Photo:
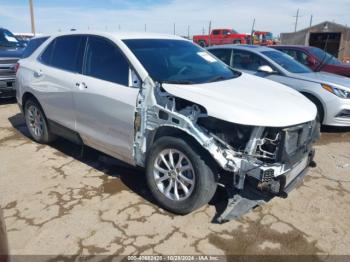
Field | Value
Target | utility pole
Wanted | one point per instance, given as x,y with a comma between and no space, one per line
252,34
188,31
311,17
296,20
209,31
31,8
174,29
145,27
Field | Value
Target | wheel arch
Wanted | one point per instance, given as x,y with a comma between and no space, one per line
27,96
318,102
179,133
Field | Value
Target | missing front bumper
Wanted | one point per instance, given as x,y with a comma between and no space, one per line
241,202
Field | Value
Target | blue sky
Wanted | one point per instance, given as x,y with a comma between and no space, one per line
160,15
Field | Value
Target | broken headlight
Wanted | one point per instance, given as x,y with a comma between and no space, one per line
235,135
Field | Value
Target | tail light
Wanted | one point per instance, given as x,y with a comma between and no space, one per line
16,67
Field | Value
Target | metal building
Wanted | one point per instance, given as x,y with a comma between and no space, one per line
329,36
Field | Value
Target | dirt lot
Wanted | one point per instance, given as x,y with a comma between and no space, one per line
57,203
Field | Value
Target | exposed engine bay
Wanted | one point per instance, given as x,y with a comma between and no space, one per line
261,160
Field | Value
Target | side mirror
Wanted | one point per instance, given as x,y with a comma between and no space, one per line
266,69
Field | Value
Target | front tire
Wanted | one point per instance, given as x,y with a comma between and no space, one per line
37,123
178,176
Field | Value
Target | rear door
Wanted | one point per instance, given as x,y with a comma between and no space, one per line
105,104
54,78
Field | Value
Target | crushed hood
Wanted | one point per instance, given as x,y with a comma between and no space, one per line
248,100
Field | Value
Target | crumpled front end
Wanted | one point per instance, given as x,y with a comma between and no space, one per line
256,163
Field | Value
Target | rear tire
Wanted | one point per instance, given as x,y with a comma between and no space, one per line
178,176
202,44
37,123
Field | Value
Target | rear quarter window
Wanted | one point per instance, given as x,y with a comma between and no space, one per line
65,53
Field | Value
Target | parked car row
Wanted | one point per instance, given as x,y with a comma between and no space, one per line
165,104
316,59
11,50
330,93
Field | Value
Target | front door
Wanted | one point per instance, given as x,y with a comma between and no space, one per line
105,104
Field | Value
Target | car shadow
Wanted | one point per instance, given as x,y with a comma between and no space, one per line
132,177
335,129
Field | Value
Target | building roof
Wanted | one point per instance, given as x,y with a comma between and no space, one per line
325,23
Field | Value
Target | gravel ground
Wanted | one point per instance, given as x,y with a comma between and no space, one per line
54,202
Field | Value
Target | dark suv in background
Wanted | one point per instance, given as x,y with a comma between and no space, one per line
11,50
316,59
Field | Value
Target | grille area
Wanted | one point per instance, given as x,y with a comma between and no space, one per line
4,61
7,67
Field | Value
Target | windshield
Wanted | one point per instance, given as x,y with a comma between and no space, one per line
178,61
324,56
287,62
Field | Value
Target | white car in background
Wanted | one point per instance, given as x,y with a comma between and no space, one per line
330,93
163,103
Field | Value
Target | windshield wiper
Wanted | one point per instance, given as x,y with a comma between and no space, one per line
179,82
217,78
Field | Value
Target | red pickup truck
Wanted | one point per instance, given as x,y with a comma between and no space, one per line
221,37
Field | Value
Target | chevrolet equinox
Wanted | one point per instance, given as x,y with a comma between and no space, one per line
165,104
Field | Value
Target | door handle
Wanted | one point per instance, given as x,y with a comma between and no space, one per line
81,85
38,74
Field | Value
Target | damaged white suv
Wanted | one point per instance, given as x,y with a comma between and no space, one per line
163,103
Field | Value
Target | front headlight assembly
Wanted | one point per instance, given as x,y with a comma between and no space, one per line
342,93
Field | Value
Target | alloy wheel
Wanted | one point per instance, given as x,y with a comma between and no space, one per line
174,174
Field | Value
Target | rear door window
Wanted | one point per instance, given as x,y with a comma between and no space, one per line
33,45
104,60
66,53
